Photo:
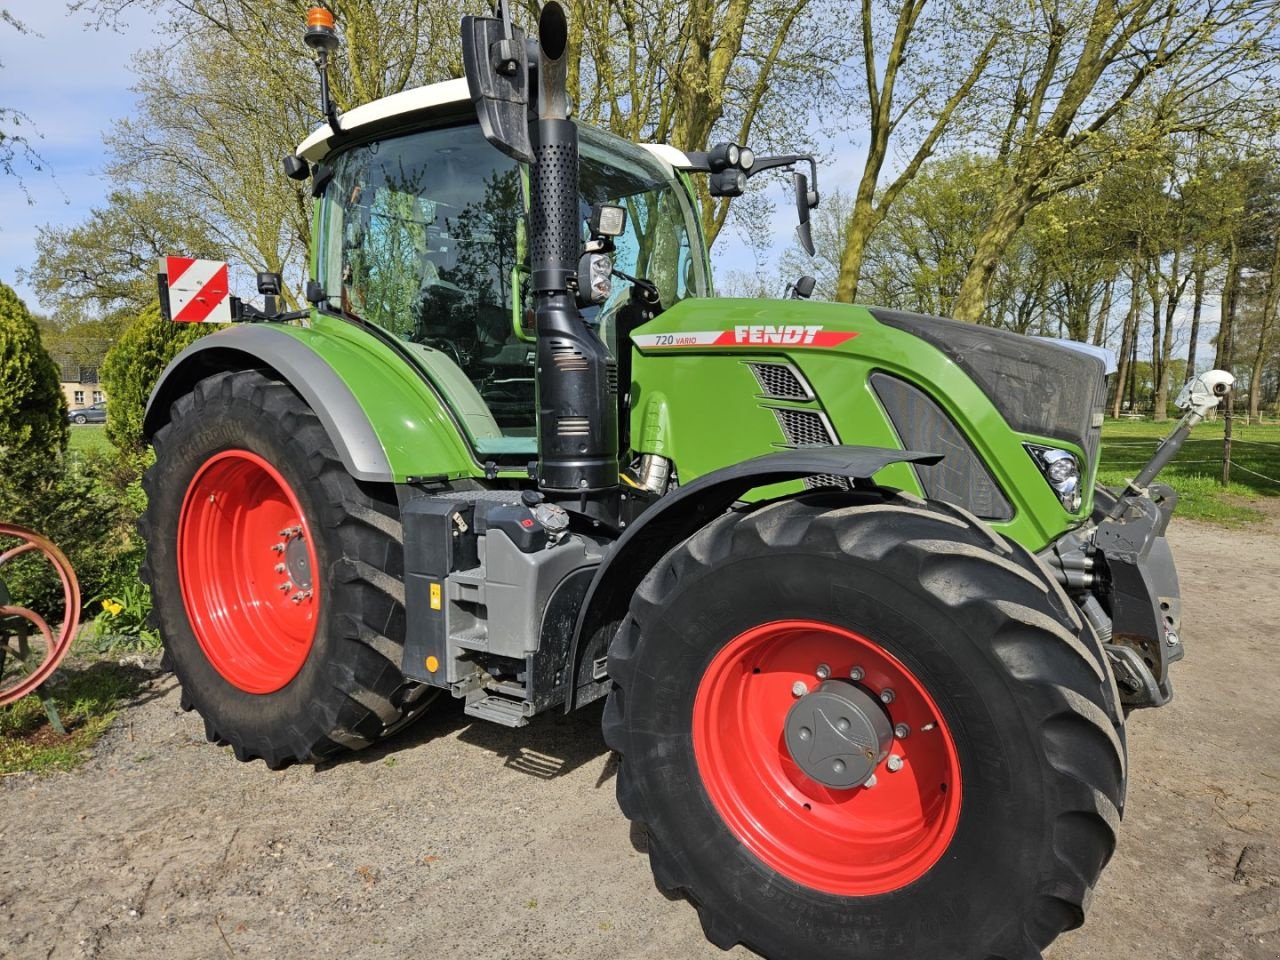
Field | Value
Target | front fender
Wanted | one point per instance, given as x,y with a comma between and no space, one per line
679,515
385,423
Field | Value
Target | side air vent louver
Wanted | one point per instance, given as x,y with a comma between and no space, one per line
781,381
611,371
568,358
961,477
805,428
573,426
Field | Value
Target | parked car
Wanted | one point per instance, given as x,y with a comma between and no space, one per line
95,413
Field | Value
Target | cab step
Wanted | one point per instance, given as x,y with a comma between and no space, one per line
500,710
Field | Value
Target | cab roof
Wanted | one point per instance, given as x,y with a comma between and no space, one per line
447,96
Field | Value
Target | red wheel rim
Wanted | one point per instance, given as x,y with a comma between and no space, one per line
247,570
855,842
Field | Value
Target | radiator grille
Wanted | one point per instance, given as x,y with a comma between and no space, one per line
804,428
781,381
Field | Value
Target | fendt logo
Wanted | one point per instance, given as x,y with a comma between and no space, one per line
790,334
748,335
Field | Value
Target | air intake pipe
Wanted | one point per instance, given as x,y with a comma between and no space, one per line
577,416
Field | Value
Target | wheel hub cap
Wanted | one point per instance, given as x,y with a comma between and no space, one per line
837,734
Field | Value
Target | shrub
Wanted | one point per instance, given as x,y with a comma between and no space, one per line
33,413
132,367
84,514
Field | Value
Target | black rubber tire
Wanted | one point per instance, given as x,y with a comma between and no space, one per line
1019,677
350,691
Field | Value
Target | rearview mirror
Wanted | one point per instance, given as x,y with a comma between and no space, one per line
497,68
803,231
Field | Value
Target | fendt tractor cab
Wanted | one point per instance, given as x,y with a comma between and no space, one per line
867,631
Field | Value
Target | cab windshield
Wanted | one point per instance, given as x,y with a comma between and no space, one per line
424,236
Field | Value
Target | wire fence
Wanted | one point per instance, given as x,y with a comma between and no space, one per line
1247,460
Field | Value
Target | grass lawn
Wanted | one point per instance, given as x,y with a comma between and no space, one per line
1195,474
89,437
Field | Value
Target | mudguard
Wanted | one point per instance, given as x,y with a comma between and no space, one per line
383,426
678,516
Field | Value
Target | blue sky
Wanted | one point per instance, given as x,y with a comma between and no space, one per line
73,82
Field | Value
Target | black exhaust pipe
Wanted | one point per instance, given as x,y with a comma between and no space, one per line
577,415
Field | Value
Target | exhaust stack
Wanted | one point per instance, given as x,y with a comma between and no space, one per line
577,415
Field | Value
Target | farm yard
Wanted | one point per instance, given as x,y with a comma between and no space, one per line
457,836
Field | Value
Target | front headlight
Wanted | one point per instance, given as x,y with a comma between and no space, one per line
1061,469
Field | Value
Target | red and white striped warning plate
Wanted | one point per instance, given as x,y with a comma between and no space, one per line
199,290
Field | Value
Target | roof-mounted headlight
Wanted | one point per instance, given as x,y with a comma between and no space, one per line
1061,469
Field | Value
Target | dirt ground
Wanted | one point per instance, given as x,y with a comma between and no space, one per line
463,839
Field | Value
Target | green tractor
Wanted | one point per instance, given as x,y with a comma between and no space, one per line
869,699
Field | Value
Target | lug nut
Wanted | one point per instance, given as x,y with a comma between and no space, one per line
902,731
856,673
280,568
894,763
277,548
823,671
297,597
886,695
285,587
799,688
870,781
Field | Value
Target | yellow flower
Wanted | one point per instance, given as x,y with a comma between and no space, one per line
112,607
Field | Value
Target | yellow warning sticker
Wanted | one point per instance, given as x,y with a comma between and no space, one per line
435,596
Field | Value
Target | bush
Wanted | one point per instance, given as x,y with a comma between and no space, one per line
33,413
85,515
132,367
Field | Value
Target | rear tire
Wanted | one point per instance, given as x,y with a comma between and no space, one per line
927,598
279,680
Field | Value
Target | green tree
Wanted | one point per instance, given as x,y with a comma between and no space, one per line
33,413
1098,82
108,263
132,367
915,91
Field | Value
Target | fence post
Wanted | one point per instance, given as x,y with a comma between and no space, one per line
1226,440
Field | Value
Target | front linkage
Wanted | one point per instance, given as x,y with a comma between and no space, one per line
1119,568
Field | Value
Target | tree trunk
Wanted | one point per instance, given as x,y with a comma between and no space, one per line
1264,331
1228,309
1156,372
1100,328
1006,219
864,220
1174,294
1127,340
1196,306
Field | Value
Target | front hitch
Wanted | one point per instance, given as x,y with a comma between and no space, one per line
1119,569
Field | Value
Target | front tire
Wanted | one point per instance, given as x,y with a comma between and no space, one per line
276,578
995,805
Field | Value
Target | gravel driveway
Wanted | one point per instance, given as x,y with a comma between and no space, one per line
463,839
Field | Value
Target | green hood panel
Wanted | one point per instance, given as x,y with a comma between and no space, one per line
697,401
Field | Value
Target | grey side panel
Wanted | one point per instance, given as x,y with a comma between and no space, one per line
255,347
961,477
679,515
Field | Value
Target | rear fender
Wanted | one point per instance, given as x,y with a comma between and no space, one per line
385,427
678,516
